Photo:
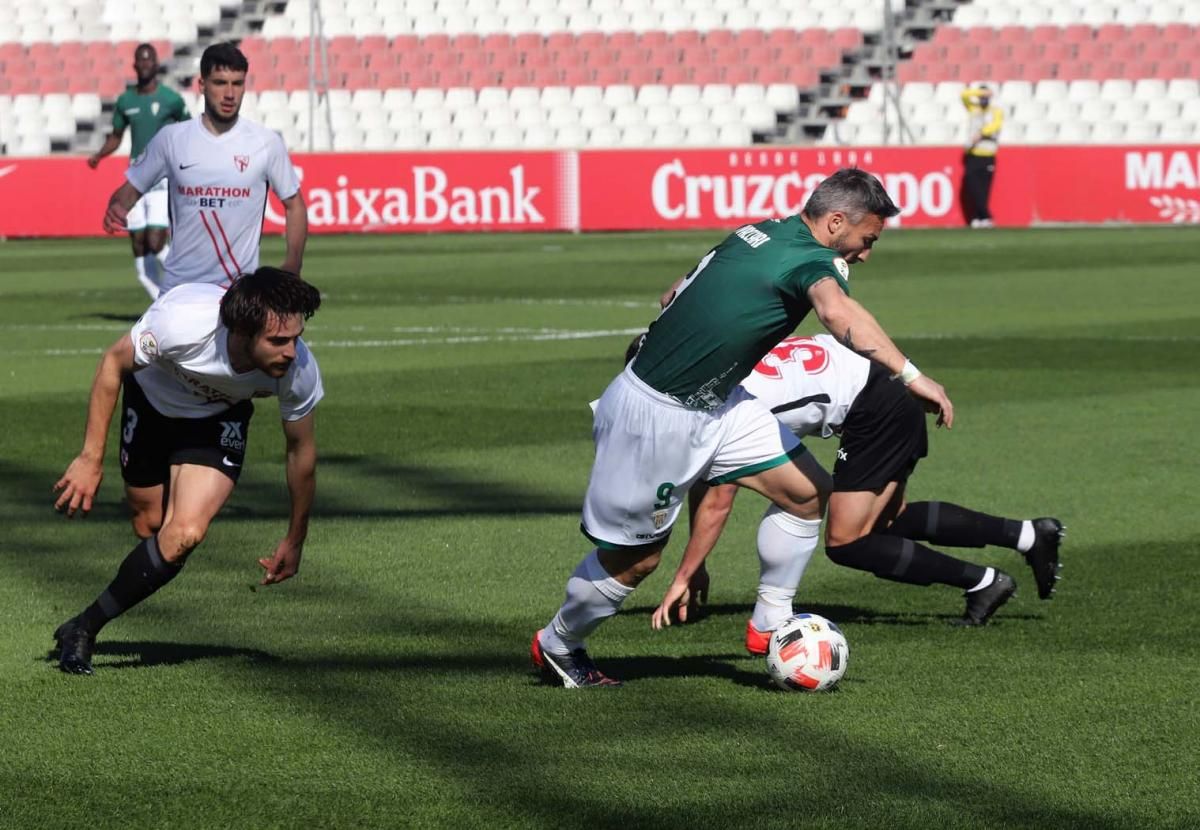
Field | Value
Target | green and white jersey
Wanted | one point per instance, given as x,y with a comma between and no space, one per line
146,114
745,296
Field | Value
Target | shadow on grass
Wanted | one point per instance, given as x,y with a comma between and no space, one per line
108,315
137,654
840,614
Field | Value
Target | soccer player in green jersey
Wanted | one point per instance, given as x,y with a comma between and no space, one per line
145,108
676,415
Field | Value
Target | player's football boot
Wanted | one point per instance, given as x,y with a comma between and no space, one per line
571,671
983,603
1043,556
75,644
757,642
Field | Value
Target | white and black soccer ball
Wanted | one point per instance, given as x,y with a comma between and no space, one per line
808,653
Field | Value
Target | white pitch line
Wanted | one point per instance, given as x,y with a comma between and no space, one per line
478,338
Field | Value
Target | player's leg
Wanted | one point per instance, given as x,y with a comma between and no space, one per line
199,481
943,523
787,537
136,221
158,220
645,462
760,454
145,508
883,438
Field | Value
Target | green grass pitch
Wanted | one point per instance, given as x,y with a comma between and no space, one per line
388,685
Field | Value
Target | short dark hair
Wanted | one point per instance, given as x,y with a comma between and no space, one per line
254,297
223,56
142,46
852,191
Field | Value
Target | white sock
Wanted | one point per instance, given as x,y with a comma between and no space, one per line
785,544
988,576
162,255
1027,536
592,597
139,267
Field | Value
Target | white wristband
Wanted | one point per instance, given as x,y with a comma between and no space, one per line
909,373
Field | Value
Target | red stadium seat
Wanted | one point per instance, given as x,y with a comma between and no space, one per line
696,54
485,76
1094,50
825,56
946,35
618,40
685,38
961,52
537,59
739,74
1045,34
994,52
497,41
1126,50
1058,52
719,37
359,79
982,34
908,72
928,52
466,43
1012,35
1105,69
811,37
607,56
546,76
560,41
712,74
782,37
1178,33
1077,33
665,55
677,73
527,41
517,76
1074,71
443,60
421,77
728,55
1111,33
642,75
1006,71
437,42
577,76
1173,68
653,39
391,77
609,76
1140,69
848,38
1145,33
751,38
1026,52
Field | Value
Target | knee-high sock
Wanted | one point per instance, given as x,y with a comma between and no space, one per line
139,267
785,544
943,523
592,597
903,560
142,573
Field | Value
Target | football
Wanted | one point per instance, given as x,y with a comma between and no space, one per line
808,653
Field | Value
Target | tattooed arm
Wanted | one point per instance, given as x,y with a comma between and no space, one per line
858,330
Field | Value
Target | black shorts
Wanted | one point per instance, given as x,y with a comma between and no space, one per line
883,437
151,442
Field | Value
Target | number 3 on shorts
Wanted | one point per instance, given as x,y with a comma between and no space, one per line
664,495
130,426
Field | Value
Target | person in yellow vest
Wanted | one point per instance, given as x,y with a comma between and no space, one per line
979,162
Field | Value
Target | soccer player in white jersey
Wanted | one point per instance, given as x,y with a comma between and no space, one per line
816,386
190,367
218,169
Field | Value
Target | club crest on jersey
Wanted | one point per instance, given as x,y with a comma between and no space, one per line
147,344
843,268
242,163
659,517
154,107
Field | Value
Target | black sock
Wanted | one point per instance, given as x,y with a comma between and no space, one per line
948,524
903,560
142,573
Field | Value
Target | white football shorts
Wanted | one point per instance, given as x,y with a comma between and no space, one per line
150,211
650,450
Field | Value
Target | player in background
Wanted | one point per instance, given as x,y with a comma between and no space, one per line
676,414
218,169
145,108
814,385
191,366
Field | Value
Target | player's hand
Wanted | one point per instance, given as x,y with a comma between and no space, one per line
698,588
78,485
93,161
676,598
114,218
283,565
291,267
934,398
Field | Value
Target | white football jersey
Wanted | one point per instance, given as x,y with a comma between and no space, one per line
809,383
188,374
218,194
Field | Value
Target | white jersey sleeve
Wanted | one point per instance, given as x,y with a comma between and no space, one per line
300,390
152,165
170,331
280,172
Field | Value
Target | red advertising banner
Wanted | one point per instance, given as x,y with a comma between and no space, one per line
647,189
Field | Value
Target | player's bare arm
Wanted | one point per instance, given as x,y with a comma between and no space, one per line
295,232
78,485
122,199
301,463
858,330
707,523
110,145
